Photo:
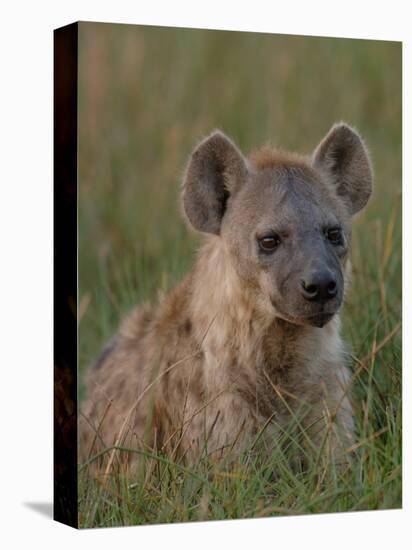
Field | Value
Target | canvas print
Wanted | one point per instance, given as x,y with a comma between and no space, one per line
238,298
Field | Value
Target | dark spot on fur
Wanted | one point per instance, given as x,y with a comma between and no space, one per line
185,328
104,354
248,396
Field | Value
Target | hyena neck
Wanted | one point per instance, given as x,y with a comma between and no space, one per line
231,326
221,303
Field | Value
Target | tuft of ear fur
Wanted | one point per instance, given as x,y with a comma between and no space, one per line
215,171
343,156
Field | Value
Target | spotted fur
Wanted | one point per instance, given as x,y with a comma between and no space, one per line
232,353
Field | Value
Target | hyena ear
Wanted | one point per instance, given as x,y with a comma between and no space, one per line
343,156
215,171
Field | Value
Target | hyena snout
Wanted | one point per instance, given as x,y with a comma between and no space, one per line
319,285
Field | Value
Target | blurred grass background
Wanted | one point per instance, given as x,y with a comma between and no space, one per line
148,94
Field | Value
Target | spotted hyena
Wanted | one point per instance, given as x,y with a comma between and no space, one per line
251,337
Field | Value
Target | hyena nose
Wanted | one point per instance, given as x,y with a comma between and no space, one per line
319,287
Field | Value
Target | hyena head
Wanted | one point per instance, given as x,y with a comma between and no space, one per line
284,220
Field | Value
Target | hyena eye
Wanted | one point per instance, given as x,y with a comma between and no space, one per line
269,243
334,235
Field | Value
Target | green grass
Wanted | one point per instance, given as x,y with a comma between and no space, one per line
146,96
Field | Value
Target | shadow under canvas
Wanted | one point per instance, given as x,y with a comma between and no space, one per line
43,508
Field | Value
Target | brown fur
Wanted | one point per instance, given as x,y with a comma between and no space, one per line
271,157
216,361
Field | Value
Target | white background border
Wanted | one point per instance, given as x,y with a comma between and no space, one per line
26,127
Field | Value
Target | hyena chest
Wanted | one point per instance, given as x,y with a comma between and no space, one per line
262,380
